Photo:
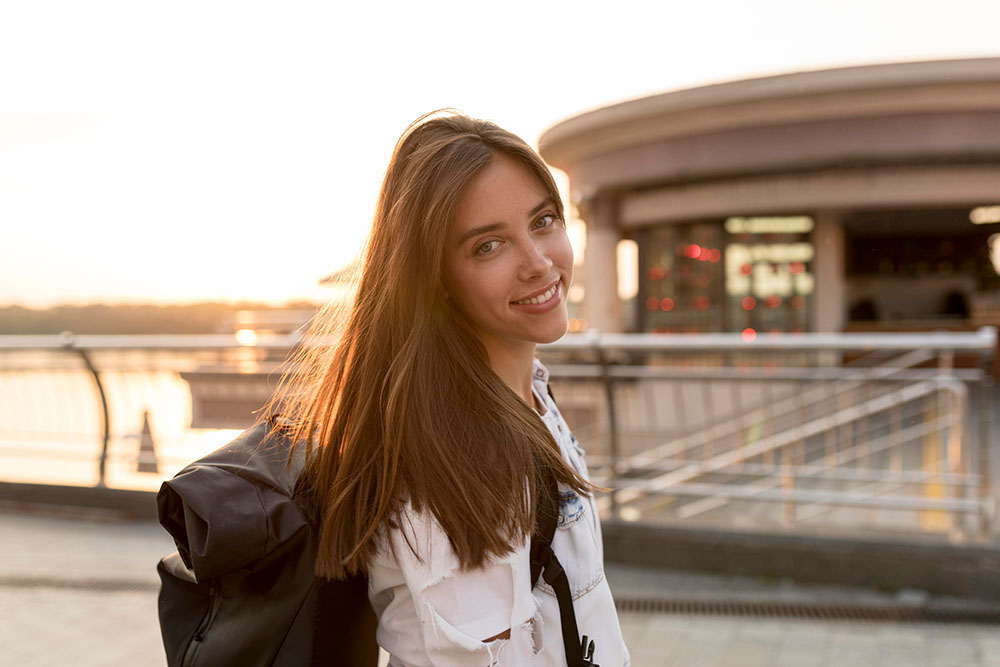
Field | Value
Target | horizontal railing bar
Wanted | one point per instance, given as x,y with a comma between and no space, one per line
982,340
147,342
810,512
755,374
570,373
844,498
822,472
41,455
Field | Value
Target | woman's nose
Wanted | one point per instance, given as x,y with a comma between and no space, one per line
534,261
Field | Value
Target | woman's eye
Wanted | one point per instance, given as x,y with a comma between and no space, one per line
546,220
487,248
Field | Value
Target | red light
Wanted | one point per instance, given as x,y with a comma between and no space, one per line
657,273
773,301
749,335
749,303
692,251
746,269
715,255
797,301
702,303
652,303
704,253
666,303
797,268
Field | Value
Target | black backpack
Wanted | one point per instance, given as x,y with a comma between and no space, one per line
240,589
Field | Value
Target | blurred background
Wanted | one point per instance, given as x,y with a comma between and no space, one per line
782,349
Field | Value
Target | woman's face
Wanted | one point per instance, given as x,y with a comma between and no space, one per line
507,259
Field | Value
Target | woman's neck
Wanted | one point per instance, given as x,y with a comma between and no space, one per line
514,366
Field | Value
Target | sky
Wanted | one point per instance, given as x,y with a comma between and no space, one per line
190,151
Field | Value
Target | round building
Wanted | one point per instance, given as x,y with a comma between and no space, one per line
863,198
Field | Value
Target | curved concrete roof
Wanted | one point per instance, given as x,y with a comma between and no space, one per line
876,90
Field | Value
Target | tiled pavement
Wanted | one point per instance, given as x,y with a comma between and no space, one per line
677,641
63,602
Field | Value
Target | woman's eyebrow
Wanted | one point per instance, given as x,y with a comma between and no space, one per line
538,209
475,231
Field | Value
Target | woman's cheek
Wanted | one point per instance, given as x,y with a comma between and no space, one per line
562,253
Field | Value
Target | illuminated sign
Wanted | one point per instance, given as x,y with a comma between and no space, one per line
784,225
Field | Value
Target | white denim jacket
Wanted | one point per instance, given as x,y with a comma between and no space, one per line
433,613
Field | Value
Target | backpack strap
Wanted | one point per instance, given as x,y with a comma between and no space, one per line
544,562
344,624
343,621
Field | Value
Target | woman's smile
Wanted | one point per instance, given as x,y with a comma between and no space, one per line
546,300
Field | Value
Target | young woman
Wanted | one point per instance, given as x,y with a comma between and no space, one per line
437,434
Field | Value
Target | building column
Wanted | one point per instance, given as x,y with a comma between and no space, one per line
601,305
829,309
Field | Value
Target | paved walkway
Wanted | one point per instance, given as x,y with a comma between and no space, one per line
81,591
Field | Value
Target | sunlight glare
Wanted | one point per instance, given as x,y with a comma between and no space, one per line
246,337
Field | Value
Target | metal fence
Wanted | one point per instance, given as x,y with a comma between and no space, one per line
826,432
126,411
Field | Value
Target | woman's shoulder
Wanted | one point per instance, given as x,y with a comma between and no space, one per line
414,540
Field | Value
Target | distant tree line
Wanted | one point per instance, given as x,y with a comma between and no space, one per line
129,319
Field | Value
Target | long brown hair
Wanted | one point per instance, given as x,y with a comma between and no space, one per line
404,405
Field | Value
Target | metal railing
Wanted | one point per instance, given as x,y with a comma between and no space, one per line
846,432
121,411
842,432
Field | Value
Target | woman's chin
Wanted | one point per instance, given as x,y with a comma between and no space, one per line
553,334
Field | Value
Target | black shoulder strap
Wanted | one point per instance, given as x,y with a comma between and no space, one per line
344,624
547,516
544,562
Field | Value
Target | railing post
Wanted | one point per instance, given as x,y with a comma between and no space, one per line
985,405
106,422
609,397
982,401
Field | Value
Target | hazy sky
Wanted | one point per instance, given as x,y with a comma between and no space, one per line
227,150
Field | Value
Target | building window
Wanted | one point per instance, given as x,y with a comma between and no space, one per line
735,275
681,279
769,279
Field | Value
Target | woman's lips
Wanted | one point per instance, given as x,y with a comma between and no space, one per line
552,298
540,297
